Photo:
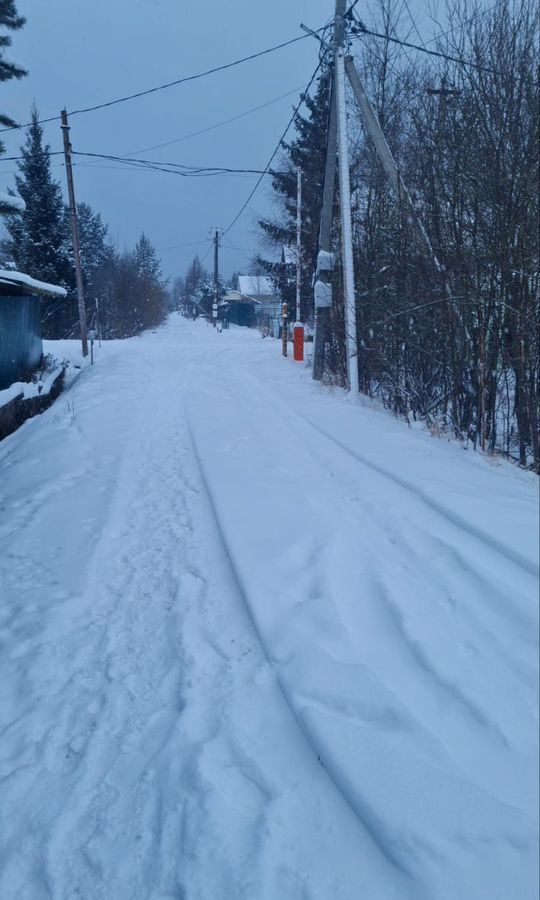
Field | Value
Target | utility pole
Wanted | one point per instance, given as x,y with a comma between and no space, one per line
298,243
75,233
351,340
323,312
216,278
389,164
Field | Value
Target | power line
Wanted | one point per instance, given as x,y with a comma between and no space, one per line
266,170
362,30
415,26
211,244
169,84
175,168
129,164
480,12
192,134
181,246
240,250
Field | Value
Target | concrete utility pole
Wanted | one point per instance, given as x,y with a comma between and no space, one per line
75,233
351,341
322,313
216,279
298,243
389,164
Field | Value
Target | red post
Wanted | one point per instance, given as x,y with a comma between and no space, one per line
298,341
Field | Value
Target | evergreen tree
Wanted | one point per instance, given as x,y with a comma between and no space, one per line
203,296
307,152
179,294
148,264
150,289
37,238
96,251
97,261
122,313
10,20
194,275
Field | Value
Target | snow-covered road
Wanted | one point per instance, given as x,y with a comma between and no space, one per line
260,643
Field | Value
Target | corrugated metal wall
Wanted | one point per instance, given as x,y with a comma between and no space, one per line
20,338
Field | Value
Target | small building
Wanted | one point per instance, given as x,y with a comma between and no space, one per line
266,302
21,346
240,309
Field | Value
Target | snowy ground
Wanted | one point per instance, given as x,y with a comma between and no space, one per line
259,642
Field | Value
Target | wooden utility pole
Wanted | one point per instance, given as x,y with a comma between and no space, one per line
75,233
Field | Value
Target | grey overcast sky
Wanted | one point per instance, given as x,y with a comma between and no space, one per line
83,52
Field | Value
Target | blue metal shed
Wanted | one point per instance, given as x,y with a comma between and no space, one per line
20,325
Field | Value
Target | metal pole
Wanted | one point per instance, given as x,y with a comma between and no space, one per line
298,243
75,233
346,227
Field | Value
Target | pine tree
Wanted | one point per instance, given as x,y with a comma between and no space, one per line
147,262
9,19
37,239
152,299
203,296
193,277
123,315
96,251
97,262
307,152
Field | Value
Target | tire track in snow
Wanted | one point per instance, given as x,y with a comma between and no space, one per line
241,403
461,524
165,763
366,820
511,608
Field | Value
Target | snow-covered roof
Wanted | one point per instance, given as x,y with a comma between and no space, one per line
237,297
10,200
255,285
19,280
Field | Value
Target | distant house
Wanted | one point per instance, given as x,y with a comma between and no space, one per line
21,346
266,301
239,310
